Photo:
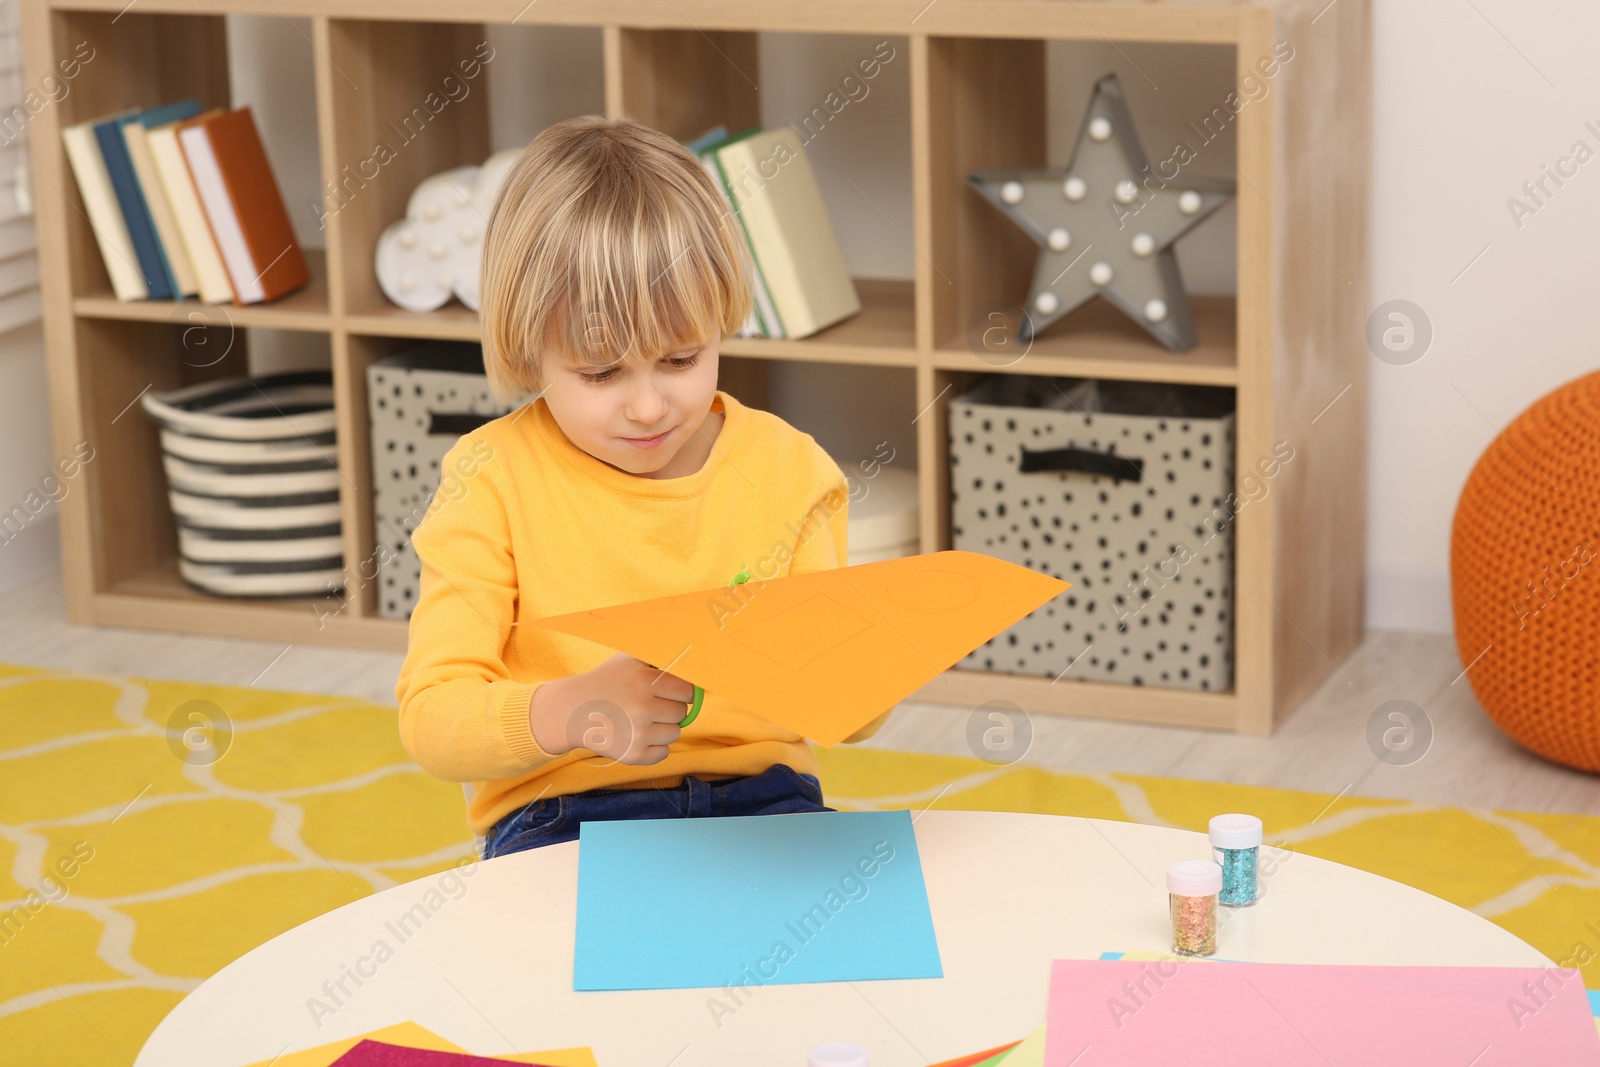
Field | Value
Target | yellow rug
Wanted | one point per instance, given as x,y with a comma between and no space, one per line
151,833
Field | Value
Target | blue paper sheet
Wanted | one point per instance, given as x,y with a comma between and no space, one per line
755,900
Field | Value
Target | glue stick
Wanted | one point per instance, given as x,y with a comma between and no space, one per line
1236,843
1192,888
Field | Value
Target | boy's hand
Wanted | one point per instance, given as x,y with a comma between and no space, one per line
623,709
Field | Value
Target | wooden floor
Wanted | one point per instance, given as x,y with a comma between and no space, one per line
1322,747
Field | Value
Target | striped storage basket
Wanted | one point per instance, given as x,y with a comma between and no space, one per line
253,479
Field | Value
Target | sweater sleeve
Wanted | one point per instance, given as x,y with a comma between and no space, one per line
463,717
823,545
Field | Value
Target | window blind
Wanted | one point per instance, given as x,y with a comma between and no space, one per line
19,266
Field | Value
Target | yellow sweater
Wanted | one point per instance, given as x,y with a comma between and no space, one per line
526,524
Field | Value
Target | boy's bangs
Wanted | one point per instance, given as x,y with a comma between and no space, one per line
640,299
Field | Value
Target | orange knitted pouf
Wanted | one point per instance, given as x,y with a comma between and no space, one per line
1525,576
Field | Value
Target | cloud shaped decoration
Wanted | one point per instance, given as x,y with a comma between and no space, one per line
436,251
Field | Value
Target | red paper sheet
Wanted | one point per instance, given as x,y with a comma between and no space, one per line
379,1054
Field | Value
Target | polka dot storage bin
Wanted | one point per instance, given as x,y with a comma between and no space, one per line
1118,488
420,401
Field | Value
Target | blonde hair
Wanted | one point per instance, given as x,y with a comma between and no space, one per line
607,241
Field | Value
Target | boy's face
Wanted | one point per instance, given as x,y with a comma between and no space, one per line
639,415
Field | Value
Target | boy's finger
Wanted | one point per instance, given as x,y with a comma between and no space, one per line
670,688
648,755
669,707
662,732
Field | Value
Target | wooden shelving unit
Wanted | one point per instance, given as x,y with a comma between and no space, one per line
1289,342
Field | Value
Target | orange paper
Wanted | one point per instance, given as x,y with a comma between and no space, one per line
976,1059
824,653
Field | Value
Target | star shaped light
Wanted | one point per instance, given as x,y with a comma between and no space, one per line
1105,225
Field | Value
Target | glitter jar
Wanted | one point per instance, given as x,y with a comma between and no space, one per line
1192,888
1236,844
837,1054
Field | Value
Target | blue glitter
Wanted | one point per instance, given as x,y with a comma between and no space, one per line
1238,876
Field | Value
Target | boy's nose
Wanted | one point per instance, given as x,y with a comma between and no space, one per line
645,405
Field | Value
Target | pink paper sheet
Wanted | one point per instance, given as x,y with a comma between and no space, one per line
1289,1014
379,1054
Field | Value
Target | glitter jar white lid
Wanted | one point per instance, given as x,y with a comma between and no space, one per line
837,1054
1235,831
1194,878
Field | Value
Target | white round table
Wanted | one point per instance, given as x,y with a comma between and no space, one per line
490,968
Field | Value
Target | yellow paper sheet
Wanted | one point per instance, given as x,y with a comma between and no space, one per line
824,653
411,1035
408,1034
1028,1054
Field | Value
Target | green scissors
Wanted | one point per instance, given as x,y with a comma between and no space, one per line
699,693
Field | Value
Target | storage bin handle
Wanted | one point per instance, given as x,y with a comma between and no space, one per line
1110,464
456,423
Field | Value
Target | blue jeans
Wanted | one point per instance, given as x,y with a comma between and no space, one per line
778,790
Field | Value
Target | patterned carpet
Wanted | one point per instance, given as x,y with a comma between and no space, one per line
152,832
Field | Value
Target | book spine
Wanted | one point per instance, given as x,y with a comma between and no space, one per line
152,264
755,325
161,216
105,218
763,296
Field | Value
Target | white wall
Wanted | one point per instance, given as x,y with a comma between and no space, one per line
1470,101
1468,107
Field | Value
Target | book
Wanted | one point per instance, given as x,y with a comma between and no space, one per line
775,191
130,199
243,206
105,217
751,326
763,320
135,133
194,231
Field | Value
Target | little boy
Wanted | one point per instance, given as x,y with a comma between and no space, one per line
611,272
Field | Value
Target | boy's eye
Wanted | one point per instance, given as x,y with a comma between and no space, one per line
678,362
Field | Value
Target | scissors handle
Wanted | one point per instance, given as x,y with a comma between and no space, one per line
699,693
694,709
